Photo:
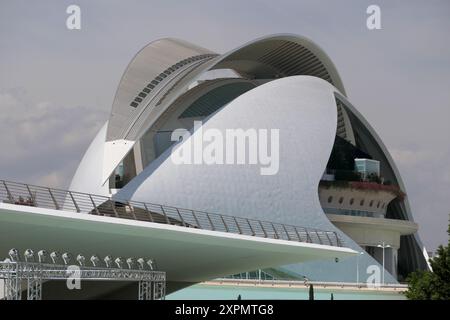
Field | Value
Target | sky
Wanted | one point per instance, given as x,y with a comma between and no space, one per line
57,85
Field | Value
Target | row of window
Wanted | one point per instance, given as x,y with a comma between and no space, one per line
361,203
163,75
354,213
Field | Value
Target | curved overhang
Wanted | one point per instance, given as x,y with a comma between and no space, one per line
281,55
187,255
367,223
367,231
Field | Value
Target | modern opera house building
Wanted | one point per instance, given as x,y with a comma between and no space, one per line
333,172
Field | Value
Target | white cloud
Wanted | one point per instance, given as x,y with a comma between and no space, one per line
42,142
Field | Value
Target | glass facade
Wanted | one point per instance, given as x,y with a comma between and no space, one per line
367,167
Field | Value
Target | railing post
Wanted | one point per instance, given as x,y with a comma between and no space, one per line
308,237
74,202
132,210
195,218
10,197
329,240
149,212
181,217
224,223
237,225
53,198
93,203
318,236
165,215
298,235
287,233
275,230
251,228
264,230
210,221
338,240
113,207
30,193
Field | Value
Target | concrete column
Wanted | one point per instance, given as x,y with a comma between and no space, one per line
391,260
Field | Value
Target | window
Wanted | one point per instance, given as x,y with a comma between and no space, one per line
382,207
330,198
341,199
351,201
361,203
137,99
134,104
378,205
142,94
371,203
146,90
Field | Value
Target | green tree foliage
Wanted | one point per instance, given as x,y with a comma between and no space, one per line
432,285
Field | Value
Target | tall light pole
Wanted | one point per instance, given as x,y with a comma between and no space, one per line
357,267
383,246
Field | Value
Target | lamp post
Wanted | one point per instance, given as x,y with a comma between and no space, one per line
383,246
357,266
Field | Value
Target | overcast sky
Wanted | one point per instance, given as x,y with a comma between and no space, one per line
57,85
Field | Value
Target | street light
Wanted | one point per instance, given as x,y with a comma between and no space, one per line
81,260
130,263
108,261
29,255
383,246
357,266
54,255
119,262
66,256
95,260
14,255
42,255
141,263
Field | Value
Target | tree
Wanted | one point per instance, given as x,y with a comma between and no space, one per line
435,284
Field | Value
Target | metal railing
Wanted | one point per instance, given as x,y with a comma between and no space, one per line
43,197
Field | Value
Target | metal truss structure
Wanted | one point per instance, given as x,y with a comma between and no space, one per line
17,274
